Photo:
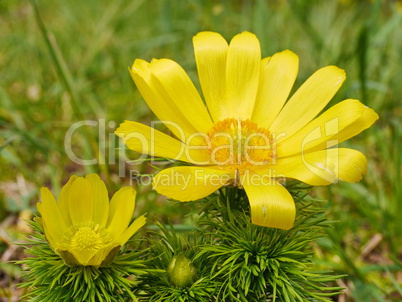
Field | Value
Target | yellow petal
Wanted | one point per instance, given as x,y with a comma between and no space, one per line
100,256
159,100
141,74
339,123
134,227
210,53
242,75
80,201
271,204
83,256
322,167
277,77
120,212
350,165
181,93
190,183
54,243
309,100
53,222
147,140
63,200
100,198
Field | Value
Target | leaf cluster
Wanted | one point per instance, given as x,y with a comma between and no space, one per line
239,261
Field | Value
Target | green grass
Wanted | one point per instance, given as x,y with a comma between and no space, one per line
70,63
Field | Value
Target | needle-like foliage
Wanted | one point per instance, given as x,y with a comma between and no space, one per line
236,260
169,252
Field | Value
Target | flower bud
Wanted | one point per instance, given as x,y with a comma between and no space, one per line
181,271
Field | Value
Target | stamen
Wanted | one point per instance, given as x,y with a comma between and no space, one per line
238,145
86,237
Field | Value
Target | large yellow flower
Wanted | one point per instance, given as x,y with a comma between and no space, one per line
247,134
83,227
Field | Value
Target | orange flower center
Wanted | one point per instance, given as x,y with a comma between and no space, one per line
239,145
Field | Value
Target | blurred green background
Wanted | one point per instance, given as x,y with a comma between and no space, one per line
70,64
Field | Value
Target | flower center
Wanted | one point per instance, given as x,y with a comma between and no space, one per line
87,237
239,145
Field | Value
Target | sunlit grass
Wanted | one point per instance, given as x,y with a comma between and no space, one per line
74,67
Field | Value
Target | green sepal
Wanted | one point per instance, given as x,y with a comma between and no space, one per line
110,257
68,258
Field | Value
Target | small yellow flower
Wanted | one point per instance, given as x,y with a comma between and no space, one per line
83,227
247,133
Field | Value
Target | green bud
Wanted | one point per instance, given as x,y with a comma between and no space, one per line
181,271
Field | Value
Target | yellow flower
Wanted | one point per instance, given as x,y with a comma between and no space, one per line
247,134
83,227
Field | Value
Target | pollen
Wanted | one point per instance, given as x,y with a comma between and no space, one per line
87,237
239,145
